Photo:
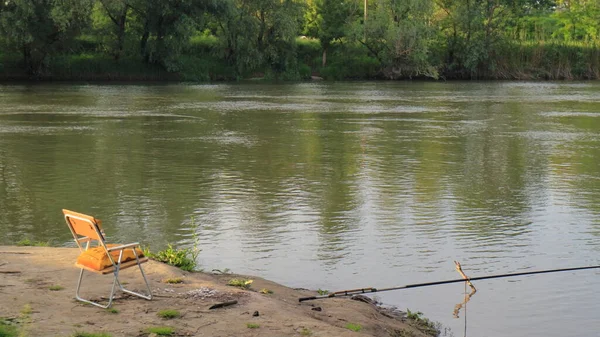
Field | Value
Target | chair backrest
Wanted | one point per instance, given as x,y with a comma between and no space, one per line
84,226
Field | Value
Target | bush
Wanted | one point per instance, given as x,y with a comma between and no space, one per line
182,258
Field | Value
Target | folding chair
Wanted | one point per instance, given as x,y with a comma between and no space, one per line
104,258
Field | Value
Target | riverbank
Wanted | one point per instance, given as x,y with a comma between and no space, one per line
39,284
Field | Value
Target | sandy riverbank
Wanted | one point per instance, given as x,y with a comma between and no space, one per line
37,287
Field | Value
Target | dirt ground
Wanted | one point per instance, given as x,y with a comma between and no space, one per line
37,288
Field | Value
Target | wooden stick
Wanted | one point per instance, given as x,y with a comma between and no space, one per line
223,304
462,273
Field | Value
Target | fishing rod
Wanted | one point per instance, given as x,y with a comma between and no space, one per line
427,284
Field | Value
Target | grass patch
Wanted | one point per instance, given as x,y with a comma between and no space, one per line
56,288
90,334
113,310
416,319
8,330
322,292
266,291
305,332
183,258
27,242
169,314
354,327
161,330
252,325
176,280
240,282
26,311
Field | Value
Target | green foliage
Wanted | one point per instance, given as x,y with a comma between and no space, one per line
161,330
56,288
305,332
257,35
322,292
90,334
252,325
354,327
182,258
8,330
113,310
208,40
169,314
240,282
423,324
28,242
176,280
39,28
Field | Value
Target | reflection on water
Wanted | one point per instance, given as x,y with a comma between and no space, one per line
327,185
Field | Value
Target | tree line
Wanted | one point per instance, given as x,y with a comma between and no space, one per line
292,39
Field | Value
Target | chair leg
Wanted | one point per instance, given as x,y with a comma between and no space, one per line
110,297
146,297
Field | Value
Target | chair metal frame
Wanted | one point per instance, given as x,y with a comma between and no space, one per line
95,233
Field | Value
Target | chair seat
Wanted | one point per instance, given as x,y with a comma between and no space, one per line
96,259
111,268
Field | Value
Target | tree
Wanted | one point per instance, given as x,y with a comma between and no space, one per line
117,11
165,26
398,34
333,19
38,28
260,33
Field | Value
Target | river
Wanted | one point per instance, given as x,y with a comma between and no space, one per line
331,186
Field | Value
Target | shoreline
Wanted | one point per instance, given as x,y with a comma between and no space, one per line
40,282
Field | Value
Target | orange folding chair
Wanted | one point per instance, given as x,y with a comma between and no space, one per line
103,258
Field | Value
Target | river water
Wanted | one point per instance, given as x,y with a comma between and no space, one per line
332,186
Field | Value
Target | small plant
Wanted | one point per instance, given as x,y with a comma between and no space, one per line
113,310
181,258
266,291
169,314
413,315
161,330
305,332
423,324
56,288
90,334
322,292
8,330
184,258
252,325
354,327
176,280
240,282
26,311
402,333
28,242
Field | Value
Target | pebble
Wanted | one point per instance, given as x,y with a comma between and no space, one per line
200,293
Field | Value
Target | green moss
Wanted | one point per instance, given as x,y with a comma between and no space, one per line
354,327
161,330
169,314
90,334
240,282
8,330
